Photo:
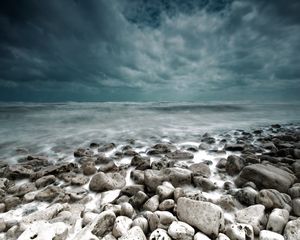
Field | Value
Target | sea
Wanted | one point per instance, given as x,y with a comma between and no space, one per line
57,129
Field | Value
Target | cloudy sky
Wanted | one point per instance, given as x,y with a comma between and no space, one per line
149,50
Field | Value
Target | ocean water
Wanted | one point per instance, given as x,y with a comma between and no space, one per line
58,129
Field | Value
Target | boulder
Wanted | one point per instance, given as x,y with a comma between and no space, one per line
254,216
296,206
205,216
88,168
127,210
167,204
160,219
54,170
49,193
200,169
107,181
294,191
142,223
17,172
204,183
266,177
181,231
140,163
277,220
234,164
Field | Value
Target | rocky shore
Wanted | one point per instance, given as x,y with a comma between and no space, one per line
237,185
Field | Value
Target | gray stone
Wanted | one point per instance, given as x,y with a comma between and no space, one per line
247,195
142,223
234,164
104,223
271,198
127,210
206,216
135,233
296,206
167,204
107,181
152,203
159,234
253,215
200,169
268,235
266,177
121,226
180,155
45,181
239,232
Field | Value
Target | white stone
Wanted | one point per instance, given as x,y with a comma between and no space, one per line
268,235
181,231
277,220
205,216
45,231
253,215
135,233
159,234
239,232
201,236
222,236
45,214
292,230
152,204
121,226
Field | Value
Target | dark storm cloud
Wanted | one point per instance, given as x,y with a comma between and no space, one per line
149,50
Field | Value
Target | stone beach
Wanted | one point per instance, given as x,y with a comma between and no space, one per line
237,185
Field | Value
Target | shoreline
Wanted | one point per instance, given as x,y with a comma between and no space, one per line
241,180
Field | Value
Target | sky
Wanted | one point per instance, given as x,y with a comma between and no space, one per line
149,50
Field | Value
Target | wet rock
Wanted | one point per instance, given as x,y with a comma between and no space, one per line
11,202
132,189
106,147
81,152
88,168
247,195
227,202
25,188
271,198
49,194
161,148
159,234
77,194
234,164
162,163
207,217
200,169
180,155
181,231
268,235
296,153
253,215
152,204
17,172
239,232
140,163
4,183
103,223
88,217
104,182
221,163
190,148
266,176
234,147
108,167
45,181
80,180
277,220
167,204
142,223
54,170
177,176
102,159
121,226
138,199
204,183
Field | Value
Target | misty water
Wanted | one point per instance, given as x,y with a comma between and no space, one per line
57,129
